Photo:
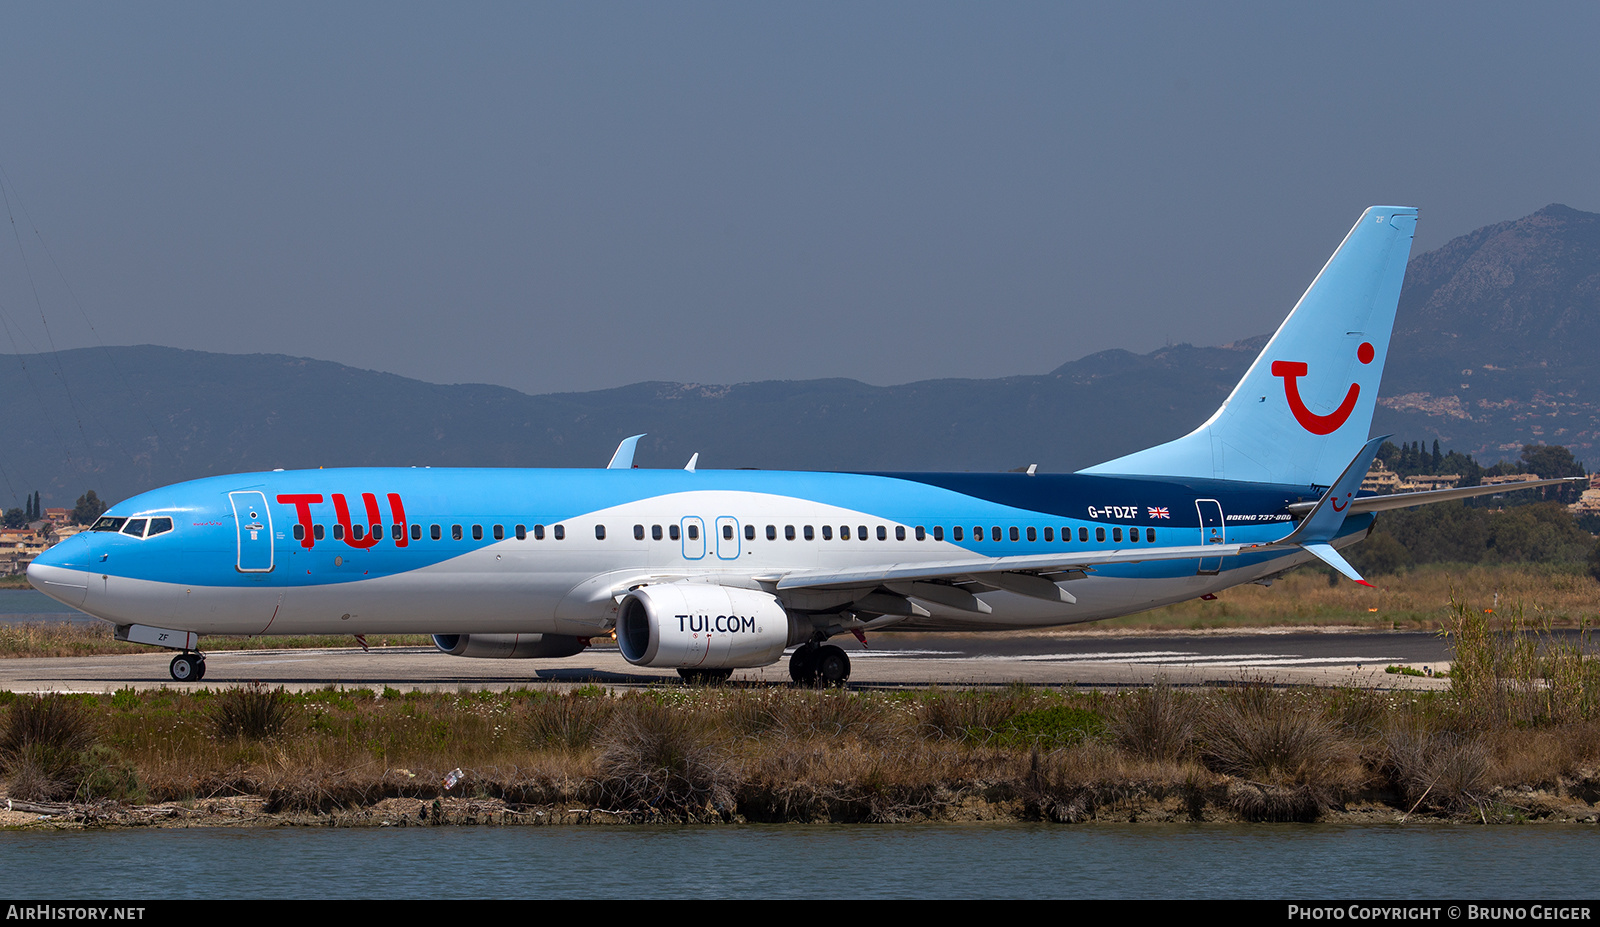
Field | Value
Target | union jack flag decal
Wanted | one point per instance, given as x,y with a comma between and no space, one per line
1159,512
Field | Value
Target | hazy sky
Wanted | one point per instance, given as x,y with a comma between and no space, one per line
580,195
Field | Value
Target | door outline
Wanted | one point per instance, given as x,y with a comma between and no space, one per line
253,535
1213,530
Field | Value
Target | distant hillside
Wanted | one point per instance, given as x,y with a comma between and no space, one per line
152,415
1497,343
1494,348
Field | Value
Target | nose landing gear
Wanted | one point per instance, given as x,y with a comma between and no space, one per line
188,667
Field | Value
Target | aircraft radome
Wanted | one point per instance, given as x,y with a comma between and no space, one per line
707,571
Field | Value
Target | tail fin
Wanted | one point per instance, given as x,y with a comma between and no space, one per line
1304,407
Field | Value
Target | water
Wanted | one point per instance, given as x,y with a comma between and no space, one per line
956,861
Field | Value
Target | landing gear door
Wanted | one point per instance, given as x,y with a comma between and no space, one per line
254,523
1212,531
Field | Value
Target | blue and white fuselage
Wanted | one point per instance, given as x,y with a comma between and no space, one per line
547,551
710,570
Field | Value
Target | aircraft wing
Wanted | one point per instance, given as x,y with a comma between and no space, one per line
1402,500
974,569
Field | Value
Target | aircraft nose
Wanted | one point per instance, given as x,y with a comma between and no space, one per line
61,573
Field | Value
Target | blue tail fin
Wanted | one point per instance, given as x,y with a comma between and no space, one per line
1304,407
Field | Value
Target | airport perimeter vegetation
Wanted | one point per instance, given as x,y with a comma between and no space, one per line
1514,738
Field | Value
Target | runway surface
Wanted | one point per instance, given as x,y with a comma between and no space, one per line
1080,658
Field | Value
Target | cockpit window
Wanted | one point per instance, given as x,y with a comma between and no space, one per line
108,523
159,526
135,527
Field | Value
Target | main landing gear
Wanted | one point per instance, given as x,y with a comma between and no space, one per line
814,664
188,667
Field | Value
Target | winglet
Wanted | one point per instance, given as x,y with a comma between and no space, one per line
623,458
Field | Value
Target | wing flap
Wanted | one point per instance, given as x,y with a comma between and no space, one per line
975,567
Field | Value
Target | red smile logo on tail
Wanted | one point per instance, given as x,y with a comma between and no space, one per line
1292,371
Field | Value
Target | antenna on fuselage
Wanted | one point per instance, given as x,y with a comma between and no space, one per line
692,460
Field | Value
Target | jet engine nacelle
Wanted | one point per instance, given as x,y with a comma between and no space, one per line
508,646
704,626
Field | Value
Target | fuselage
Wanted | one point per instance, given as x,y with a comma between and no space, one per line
447,551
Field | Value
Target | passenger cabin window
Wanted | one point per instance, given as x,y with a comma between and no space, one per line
809,535
599,532
397,532
788,532
455,532
560,532
861,533
694,532
416,532
883,533
1150,535
994,533
319,532
749,532
655,532
900,532
433,532
1049,534
522,532
727,532
1015,535
477,532
955,533
638,532
772,533
1083,534
499,532
538,532
358,531
1099,534
338,532
672,532
827,532
299,532
109,523
163,525
135,527
938,532
1116,535
921,534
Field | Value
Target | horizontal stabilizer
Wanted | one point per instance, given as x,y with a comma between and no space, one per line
1332,558
1405,500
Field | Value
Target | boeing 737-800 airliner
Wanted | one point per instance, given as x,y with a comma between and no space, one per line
708,571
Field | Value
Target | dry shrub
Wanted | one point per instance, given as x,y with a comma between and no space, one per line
664,760
976,717
1287,749
1516,674
43,747
1156,723
567,722
251,712
1437,770
1069,785
850,781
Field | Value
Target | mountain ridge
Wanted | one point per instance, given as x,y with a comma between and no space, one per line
1492,350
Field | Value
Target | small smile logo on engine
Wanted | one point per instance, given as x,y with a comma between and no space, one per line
1292,371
